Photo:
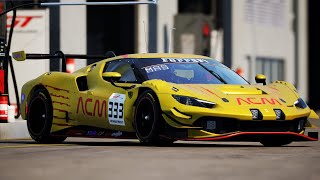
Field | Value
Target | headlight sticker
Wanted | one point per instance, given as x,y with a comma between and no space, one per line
300,103
193,101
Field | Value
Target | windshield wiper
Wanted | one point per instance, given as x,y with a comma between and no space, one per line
214,74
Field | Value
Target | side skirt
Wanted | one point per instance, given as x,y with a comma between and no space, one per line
94,132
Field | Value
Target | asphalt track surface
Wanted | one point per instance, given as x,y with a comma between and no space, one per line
95,159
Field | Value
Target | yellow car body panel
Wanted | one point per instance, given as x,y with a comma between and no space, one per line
89,107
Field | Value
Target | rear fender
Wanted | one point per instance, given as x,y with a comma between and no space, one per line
26,93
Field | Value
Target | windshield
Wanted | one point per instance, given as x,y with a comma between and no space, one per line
188,71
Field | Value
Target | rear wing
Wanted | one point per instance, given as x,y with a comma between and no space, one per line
22,56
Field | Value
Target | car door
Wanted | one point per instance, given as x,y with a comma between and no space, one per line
110,105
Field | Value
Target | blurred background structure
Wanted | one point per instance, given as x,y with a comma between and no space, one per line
278,38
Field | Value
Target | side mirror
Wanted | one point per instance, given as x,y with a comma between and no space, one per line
111,76
260,78
19,56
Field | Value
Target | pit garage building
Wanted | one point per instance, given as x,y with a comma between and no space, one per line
275,37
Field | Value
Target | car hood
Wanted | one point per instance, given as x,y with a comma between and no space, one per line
241,95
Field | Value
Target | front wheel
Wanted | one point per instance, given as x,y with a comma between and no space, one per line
148,121
40,114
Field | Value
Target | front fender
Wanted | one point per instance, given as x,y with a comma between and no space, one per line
313,115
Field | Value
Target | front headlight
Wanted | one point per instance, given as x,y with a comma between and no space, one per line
193,101
300,104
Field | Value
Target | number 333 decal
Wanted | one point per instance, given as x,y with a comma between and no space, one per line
116,109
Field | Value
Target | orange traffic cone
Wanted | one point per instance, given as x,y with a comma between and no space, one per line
70,65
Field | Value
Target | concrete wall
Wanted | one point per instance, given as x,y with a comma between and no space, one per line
266,29
167,9
302,84
142,29
255,35
165,19
73,31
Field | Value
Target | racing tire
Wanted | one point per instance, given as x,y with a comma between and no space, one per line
275,143
148,121
39,118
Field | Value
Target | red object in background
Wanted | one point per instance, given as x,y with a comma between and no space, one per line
70,65
1,81
239,71
21,21
3,108
206,30
1,7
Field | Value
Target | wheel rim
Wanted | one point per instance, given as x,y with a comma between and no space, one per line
37,115
145,117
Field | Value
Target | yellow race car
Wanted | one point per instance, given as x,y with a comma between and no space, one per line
162,98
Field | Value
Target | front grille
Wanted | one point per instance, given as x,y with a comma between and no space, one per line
226,125
223,125
268,126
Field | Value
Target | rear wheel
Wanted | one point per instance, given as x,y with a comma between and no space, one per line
148,121
40,114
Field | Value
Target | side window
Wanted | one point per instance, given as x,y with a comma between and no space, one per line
122,67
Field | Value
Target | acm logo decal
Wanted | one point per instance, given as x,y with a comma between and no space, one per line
100,108
252,100
113,110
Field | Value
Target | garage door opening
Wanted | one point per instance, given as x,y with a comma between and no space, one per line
110,28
